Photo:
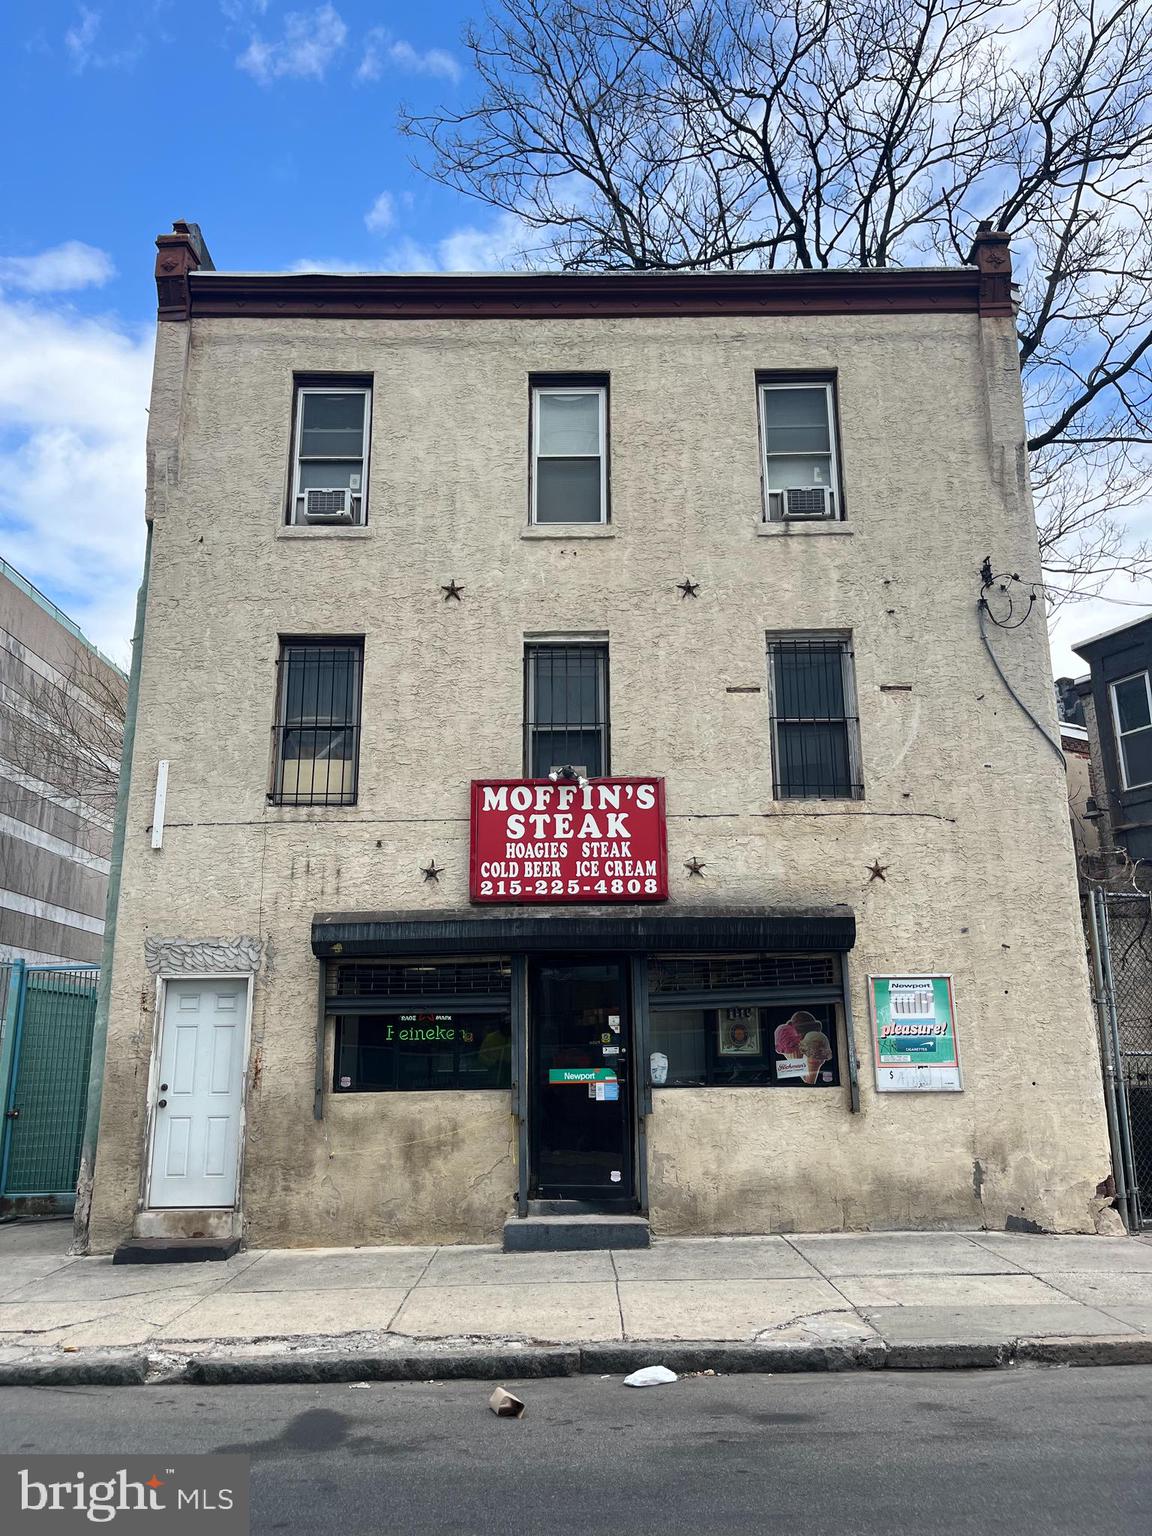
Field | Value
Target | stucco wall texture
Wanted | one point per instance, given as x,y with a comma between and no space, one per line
965,804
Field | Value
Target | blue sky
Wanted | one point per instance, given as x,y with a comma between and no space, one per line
273,126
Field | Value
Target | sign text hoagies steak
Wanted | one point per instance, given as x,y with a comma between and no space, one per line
547,840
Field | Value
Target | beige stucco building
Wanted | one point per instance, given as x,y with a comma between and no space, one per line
723,531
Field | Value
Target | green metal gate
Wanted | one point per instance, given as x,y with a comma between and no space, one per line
44,1061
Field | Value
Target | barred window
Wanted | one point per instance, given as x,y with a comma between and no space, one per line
317,746
815,741
566,709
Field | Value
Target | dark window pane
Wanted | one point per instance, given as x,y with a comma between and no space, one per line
420,1052
1137,750
332,426
332,474
567,490
566,709
1132,703
809,681
813,759
567,749
677,1040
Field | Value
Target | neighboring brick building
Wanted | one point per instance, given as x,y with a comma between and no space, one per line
718,536
61,717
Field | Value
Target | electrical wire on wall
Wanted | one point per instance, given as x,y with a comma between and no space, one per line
1016,599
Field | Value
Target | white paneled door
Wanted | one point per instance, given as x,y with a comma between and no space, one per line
198,1091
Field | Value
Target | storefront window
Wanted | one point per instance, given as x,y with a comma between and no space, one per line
415,1052
746,1045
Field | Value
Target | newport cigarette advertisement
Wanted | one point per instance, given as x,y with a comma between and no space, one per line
914,1034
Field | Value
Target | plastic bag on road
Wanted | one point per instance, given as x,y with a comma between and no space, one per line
650,1376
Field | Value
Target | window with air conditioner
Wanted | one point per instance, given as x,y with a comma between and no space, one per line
330,454
798,432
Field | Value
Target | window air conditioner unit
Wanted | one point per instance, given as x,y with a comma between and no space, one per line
807,503
328,506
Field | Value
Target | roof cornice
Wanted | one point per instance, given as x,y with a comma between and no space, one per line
561,295
189,290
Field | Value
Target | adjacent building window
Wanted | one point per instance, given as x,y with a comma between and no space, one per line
1132,717
815,741
569,457
798,431
318,722
330,454
411,1052
566,708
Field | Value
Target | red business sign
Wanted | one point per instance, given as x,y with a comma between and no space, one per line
547,840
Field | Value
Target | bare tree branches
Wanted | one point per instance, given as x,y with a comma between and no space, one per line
66,733
686,134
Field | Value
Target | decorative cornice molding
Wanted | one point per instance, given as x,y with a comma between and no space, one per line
612,295
203,957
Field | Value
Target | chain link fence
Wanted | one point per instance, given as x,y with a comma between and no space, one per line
1122,949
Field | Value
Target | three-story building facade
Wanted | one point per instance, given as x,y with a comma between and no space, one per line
569,767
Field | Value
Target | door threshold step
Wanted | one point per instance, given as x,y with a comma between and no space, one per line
565,1207
571,1234
176,1250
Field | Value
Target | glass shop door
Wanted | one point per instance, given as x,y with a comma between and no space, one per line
581,1111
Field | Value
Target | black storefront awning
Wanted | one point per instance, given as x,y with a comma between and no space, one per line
589,930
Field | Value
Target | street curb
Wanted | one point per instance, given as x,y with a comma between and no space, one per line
92,1370
509,1362
428,1365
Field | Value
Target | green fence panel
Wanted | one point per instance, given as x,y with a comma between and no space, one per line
49,1086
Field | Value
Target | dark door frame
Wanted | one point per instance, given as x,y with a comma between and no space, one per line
637,1102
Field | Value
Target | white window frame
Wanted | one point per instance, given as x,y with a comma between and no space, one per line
601,392
842,638
763,388
1120,734
297,519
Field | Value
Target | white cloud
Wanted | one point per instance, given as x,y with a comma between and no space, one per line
326,264
73,398
80,40
382,50
80,45
63,267
309,44
381,214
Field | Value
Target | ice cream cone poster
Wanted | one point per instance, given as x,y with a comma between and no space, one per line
739,1032
803,1050
914,1034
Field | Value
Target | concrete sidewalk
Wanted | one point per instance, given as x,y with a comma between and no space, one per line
856,1298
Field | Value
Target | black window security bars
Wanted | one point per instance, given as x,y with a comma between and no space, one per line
317,748
347,979
566,709
814,725
670,975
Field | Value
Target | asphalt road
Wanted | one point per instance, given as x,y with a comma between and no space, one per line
1023,1451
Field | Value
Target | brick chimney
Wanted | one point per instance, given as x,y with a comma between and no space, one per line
177,254
991,256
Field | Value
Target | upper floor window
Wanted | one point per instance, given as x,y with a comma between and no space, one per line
798,431
317,746
569,460
566,708
330,453
1132,715
815,740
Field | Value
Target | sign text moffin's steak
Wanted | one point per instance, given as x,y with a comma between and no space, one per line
547,840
